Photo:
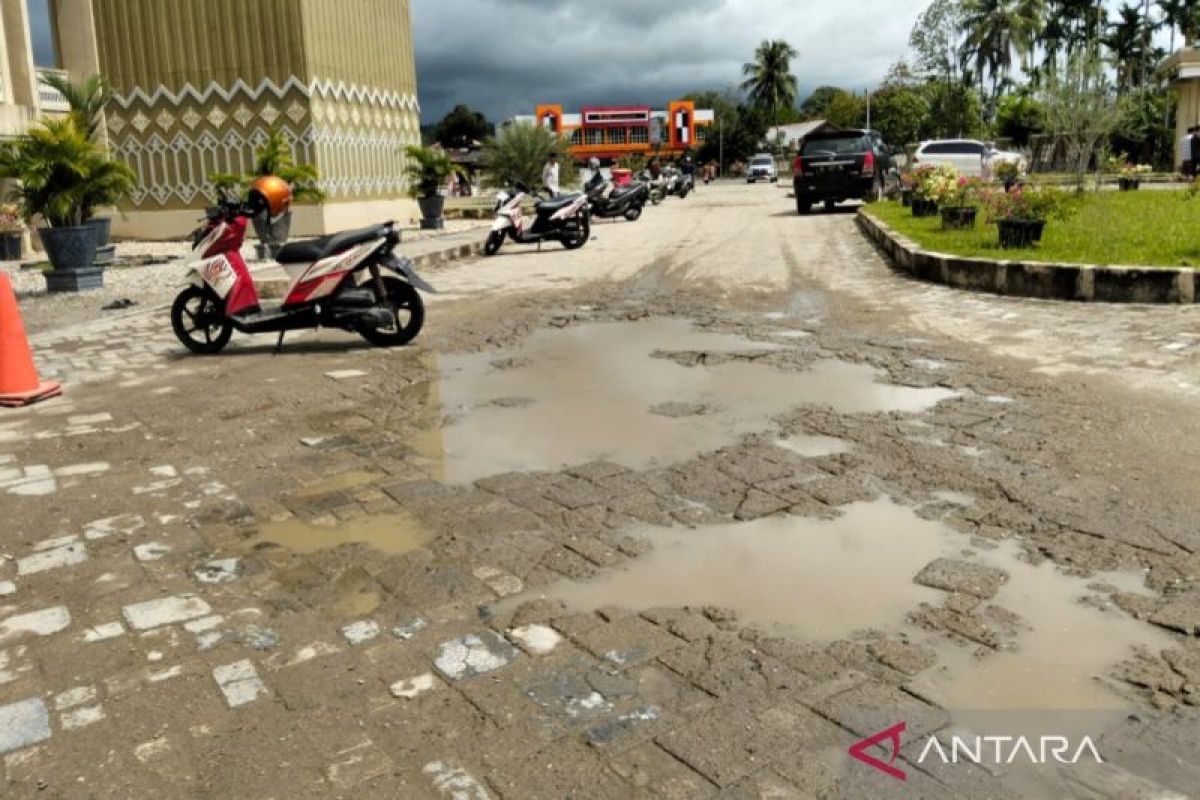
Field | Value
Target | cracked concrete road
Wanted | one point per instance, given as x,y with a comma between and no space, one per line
683,514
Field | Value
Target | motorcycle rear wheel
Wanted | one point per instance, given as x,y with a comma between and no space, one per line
633,213
579,239
656,198
198,319
409,311
492,245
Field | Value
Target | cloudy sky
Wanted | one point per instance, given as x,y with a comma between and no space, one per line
504,56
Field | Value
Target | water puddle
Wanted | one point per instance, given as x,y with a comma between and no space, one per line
393,534
1061,650
597,391
829,579
356,593
813,578
812,446
341,482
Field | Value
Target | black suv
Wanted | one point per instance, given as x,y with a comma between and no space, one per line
834,166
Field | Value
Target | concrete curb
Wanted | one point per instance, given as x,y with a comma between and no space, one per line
1082,282
274,287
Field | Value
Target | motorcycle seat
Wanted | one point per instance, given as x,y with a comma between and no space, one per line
311,250
557,204
624,190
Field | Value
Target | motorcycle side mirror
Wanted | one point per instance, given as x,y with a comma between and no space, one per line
521,187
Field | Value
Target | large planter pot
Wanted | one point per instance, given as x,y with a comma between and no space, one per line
103,226
72,255
956,218
906,198
1016,233
272,235
12,247
924,208
1129,184
431,212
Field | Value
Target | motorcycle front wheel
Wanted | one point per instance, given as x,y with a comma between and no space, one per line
492,245
198,319
656,198
577,238
409,311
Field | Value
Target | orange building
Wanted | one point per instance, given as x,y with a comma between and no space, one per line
610,132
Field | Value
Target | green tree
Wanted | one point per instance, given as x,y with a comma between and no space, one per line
1019,117
1129,41
954,110
1182,16
817,103
995,31
898,112
937,39
847,110
1142,128
1080,109
426,169
520,151
461,127
770,84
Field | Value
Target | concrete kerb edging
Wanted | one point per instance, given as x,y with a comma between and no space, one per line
275,287
1083,282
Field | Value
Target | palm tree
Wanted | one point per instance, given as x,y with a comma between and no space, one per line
1182,16
769,78
995,31
86,99
1129,41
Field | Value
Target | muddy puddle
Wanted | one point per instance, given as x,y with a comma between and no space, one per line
830,579
603,391
341,482
393,534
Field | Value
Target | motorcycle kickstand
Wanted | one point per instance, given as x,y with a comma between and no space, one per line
279,344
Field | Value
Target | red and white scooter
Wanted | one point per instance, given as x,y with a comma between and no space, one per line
564,219
338,281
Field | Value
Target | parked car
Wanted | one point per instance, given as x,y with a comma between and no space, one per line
761,168
835,166
996,157
969,156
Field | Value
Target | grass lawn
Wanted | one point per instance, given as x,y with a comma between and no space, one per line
1143,228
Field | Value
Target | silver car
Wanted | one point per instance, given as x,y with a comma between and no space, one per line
761,168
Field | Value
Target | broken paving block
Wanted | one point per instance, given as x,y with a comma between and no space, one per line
1181,614
221,570
537,640
406,632
360,632
474,654
102,528
69,555
109,630
74,697
413,687
966,577
81,717
39,623
239,682
455,782
23,724
165,611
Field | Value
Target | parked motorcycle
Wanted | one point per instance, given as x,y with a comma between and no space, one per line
338,281
657,186
564,219
608,202
680,184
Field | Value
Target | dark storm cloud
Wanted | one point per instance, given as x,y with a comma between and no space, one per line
504,56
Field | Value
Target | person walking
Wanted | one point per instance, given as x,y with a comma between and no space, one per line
550,175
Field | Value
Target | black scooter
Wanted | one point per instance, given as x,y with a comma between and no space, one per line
609,202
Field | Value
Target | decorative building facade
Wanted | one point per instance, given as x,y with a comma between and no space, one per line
610,132
200,83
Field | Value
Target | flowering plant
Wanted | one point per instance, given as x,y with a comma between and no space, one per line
10,219
1130,170
921,177
1027,202
959,193
1007,172
937,183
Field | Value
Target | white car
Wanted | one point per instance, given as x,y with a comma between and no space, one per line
761,168
969,156
997,157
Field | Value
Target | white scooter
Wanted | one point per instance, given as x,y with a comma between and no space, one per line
564,219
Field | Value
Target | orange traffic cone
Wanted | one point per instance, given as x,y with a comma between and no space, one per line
19,382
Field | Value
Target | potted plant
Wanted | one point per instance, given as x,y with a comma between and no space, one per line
12,233
1021,214
1130,179
87,100
1008,174
61,174
273,157
956,202
924,203
907,185
426,171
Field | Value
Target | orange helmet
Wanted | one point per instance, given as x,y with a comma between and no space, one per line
271,194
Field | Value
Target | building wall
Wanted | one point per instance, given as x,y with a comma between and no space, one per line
200,83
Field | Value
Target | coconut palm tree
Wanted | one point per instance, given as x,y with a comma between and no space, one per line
1129,41
996,30
769,79
1182,16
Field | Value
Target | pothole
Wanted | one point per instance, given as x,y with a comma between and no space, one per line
597,391
830,579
